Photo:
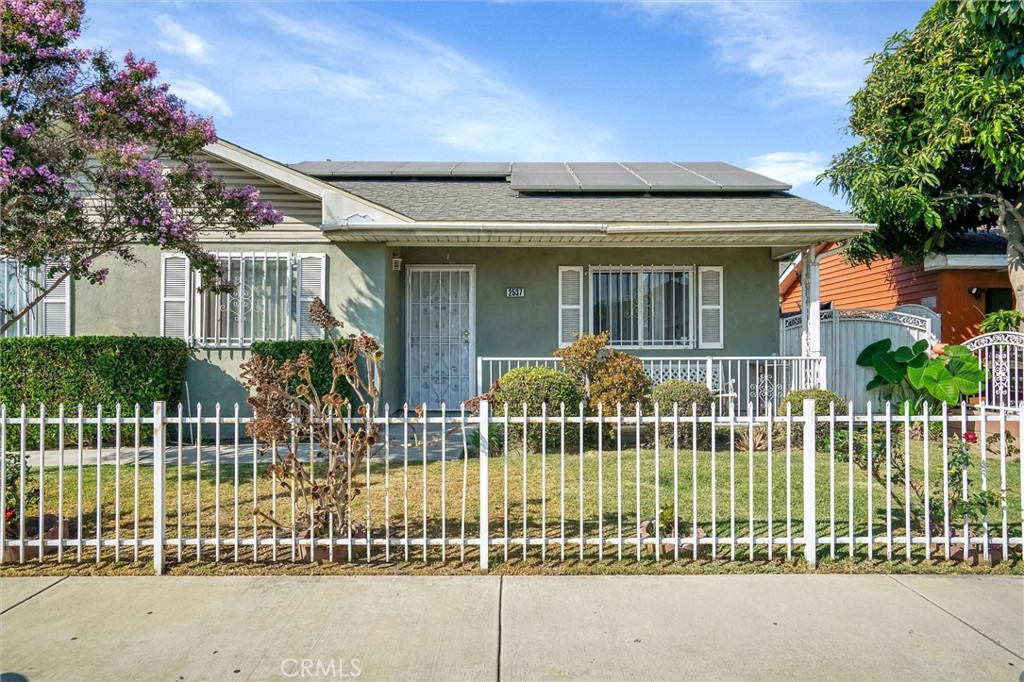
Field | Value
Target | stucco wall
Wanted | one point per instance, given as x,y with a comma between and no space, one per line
129,303
367,295
529,326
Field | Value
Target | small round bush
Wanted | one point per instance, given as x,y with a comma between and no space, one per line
619,379
820,396
536,386
685,394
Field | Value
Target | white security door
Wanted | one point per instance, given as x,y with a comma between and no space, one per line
441,328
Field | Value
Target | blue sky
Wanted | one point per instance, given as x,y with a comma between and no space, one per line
762,85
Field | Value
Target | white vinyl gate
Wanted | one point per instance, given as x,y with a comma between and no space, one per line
441,328
844,334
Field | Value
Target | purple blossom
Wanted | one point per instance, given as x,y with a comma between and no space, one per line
26,130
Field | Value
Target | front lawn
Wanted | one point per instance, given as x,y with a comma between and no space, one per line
201,500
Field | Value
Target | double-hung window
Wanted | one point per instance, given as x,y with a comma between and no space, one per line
270,299
21,285
655,307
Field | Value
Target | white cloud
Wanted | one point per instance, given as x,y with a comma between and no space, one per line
795,168
200,96
371,71
776,41
177,40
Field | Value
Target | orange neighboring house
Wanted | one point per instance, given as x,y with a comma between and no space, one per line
963,282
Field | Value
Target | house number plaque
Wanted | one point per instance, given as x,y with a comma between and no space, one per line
515,292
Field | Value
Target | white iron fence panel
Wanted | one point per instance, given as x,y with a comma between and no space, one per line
506,485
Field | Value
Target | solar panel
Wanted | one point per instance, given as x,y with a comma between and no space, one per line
368,168
737,179
424,169
545,181
538,166
640,166
679,182
599,166
481,169
620,180
577,176
701,166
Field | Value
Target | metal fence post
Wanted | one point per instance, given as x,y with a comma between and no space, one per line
810,484
159,485
484,454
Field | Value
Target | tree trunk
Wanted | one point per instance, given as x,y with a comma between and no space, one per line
1015,260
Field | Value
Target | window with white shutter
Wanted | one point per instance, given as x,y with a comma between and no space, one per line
270,300
312,274
56,308
710,295
19,286
175,296
570,304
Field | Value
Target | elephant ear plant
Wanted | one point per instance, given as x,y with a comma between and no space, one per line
915,375
287,408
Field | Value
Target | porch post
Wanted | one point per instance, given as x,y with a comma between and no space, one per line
810,304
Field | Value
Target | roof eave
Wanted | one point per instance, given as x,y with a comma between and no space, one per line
785,238
965,261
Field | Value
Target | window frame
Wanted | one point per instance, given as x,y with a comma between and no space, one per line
291,300
34,323
692,317
200,302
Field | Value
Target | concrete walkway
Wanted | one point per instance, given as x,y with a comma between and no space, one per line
810,627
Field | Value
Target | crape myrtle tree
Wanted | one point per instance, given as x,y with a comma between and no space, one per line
97,157
940,122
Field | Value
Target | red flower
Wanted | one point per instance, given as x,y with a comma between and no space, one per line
970,437
9,513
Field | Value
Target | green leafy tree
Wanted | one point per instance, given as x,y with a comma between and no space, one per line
941,127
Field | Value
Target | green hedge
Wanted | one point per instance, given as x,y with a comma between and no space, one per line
90,370
319,349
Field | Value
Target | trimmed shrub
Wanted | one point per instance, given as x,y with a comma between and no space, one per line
319,350
685,393
821,397
535,386
90,370
620,378
822,401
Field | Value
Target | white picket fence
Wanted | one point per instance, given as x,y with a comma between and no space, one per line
737,487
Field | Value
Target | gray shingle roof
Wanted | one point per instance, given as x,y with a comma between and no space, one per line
981,241
495,200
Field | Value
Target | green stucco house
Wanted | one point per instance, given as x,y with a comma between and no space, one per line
464,269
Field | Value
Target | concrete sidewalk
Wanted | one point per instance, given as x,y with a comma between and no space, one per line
805,627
